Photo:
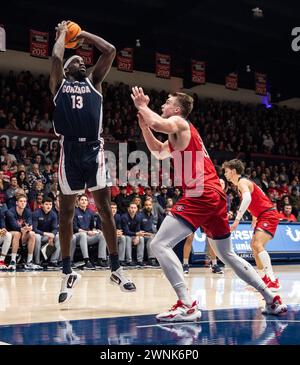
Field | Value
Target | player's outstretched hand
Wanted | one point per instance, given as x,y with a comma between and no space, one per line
139,98
61,27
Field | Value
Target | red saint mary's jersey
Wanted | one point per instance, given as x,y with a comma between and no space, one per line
195,168
259,201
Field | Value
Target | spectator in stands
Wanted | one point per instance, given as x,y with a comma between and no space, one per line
19,223
122,200
45,226
120,236
177,195
6,173
148,229
131,226
22,182
286,215
37,203
162,197
35,175
5,241
11,192
295,200
83,228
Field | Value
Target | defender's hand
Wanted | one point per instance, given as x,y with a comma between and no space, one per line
139,98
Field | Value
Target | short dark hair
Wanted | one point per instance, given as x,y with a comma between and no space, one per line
20,196
185,102
235,164
47,199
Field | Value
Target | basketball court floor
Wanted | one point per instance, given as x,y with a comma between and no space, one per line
100,314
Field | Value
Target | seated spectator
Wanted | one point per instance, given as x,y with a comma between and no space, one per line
86,234
148,230
131,226
35,175
122,200
22,182
37,203
121,239
5,172
286,215
5,241
162,197
19,224
11,192
45,226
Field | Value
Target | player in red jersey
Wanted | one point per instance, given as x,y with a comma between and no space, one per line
265,219
203,203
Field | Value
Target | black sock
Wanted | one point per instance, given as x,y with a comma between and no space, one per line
66,261
114,261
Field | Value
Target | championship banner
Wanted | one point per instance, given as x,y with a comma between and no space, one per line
125,60
163,65
86,51
198,72
231,81
260,84
39,44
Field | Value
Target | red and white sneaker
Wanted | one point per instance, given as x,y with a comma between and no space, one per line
266,280
276,307
181,312
2,265
274,285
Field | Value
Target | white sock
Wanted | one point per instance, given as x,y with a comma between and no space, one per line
266,261
14,257
214,262
2,258
183,294
29,258
185,261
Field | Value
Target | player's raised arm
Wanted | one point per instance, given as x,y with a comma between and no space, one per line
103,65
57,73
246,200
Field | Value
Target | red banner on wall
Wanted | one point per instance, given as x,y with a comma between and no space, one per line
231,81
260,84
198,72
39,44
86,51
163,65
125,60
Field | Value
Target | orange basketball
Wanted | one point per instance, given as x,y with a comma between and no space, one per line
73,31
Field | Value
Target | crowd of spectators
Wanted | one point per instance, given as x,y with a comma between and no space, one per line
26,104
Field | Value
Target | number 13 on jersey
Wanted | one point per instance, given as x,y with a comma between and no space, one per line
77,101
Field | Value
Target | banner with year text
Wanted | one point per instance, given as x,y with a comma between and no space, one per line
198,72
163,65
39,44
125,60
260,84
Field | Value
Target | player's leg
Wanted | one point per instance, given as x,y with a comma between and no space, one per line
70,278
16,236
245,271
102,199
215,268
6,242
187,248
263,260
171,232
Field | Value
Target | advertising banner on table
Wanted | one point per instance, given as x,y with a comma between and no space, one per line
198,72
86,51
260,84
125,60
285,241
231,81
39,44
163,65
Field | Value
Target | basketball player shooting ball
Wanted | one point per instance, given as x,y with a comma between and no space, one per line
78,121
203,206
